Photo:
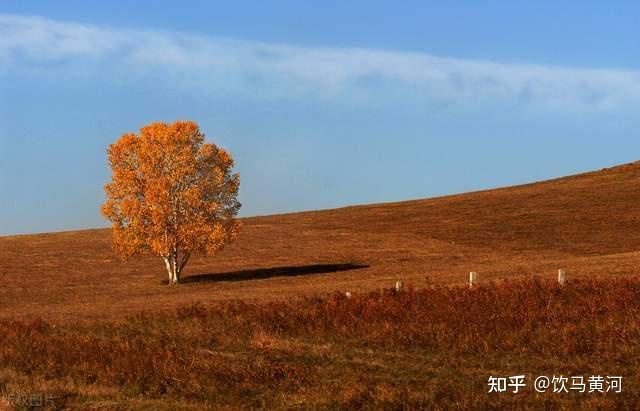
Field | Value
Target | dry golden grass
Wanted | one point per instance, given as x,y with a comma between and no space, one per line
433,348
270,331
587,224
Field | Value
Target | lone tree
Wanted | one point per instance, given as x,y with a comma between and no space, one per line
171,194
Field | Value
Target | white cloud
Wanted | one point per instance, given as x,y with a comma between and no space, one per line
262,69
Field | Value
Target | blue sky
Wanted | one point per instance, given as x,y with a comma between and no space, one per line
322,104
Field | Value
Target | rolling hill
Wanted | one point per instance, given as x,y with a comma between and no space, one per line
587,224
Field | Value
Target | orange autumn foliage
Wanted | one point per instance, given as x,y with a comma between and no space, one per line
171,194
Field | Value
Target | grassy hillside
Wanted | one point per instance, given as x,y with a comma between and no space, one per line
266,323
588,224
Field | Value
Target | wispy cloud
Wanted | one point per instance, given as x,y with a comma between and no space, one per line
263,69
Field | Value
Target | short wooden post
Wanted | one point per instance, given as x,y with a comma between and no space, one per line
562,277
399,286
473,278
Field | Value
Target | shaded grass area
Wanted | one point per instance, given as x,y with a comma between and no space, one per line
264,273
428,348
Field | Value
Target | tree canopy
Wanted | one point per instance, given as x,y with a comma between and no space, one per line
171,194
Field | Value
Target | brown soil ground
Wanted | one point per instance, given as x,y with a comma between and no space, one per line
587,224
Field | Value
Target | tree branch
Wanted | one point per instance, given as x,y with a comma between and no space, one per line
185,259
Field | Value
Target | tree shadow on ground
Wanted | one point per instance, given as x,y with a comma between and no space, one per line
262,273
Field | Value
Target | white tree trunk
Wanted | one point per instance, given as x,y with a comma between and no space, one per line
169,270
175,265
176,269
172,269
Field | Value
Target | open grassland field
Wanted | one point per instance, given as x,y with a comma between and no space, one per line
432,348
587,224
266,324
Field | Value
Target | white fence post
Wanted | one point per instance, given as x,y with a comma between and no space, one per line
562,277
473,278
